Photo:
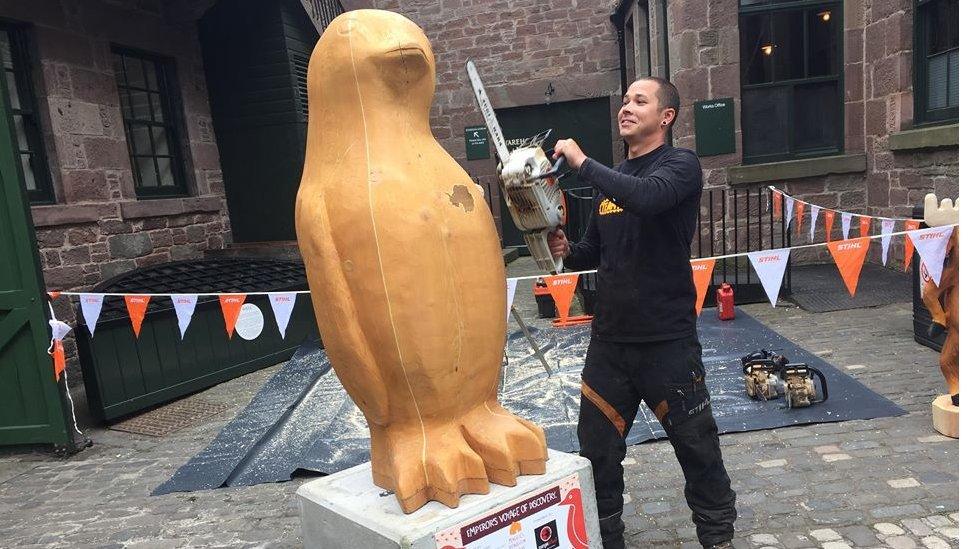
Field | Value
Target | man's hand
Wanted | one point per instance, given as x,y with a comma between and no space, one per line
568,148
558,244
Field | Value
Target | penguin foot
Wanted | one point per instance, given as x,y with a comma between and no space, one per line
509,445
430,464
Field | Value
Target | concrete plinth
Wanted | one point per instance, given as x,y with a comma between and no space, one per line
347,510
945,416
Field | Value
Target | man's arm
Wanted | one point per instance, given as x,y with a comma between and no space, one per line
676,179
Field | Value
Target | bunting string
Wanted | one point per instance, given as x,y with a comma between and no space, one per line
777,191
848,254
746,254
527,277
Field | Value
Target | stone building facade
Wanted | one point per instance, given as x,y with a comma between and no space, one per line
885,156
92,225
93,219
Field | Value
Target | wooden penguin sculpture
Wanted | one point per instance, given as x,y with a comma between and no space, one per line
942,301
405,269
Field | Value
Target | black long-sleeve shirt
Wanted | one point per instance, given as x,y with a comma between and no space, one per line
639,238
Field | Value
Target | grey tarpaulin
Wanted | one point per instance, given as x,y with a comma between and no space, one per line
303,419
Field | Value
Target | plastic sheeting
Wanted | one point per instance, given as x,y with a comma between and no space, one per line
303,419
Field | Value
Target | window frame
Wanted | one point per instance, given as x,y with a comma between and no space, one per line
171,107
923,115
837,8
21,48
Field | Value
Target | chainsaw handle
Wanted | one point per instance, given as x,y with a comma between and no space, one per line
823,382
557,167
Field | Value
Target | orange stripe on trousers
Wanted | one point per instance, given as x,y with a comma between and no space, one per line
612,414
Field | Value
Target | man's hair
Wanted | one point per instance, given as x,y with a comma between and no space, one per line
667,94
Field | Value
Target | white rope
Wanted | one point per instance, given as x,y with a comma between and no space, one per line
67,388
531,277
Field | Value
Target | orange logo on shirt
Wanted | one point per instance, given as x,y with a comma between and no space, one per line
607,207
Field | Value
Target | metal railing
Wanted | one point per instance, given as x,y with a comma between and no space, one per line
730,221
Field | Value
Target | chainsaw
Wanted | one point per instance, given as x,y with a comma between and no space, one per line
760,370
530,183
769,375
800,390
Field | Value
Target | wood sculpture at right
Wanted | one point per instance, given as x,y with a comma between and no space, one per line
942,301
405,269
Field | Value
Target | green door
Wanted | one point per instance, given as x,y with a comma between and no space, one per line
588,122
30,400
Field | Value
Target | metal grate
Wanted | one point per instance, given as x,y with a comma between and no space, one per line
730,221
322,12
299,63
168,419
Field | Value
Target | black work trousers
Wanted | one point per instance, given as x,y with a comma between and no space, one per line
670,378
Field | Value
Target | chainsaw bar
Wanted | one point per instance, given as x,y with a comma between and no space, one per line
481,96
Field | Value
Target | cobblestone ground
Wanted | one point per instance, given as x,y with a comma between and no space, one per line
889,482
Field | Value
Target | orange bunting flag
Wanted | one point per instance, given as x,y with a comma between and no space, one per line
865,226
701,273
54,295
561,288
849,256
829,222
57,353
231,305
777,205
136,305
800,206
910,225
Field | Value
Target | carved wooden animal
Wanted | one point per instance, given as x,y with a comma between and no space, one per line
405,269
942,301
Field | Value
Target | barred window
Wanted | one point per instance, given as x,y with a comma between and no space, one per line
22,108
147,94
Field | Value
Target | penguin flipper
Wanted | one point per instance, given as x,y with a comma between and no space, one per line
338,319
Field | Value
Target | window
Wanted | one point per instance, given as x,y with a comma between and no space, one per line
936,60
792,85
22,108
147,96
644,48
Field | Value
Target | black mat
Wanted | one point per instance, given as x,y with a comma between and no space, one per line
303,419
820,289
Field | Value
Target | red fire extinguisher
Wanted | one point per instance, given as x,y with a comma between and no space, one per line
725,298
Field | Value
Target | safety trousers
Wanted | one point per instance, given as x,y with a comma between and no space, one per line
670,378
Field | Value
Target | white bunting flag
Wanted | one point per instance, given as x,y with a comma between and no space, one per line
770,266
58,329
91,308
931,245
282,304
845,224
789,212
887,227
511,284
184,305
814,213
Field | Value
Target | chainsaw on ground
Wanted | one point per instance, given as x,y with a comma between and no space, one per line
769,375
760,371
529,183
